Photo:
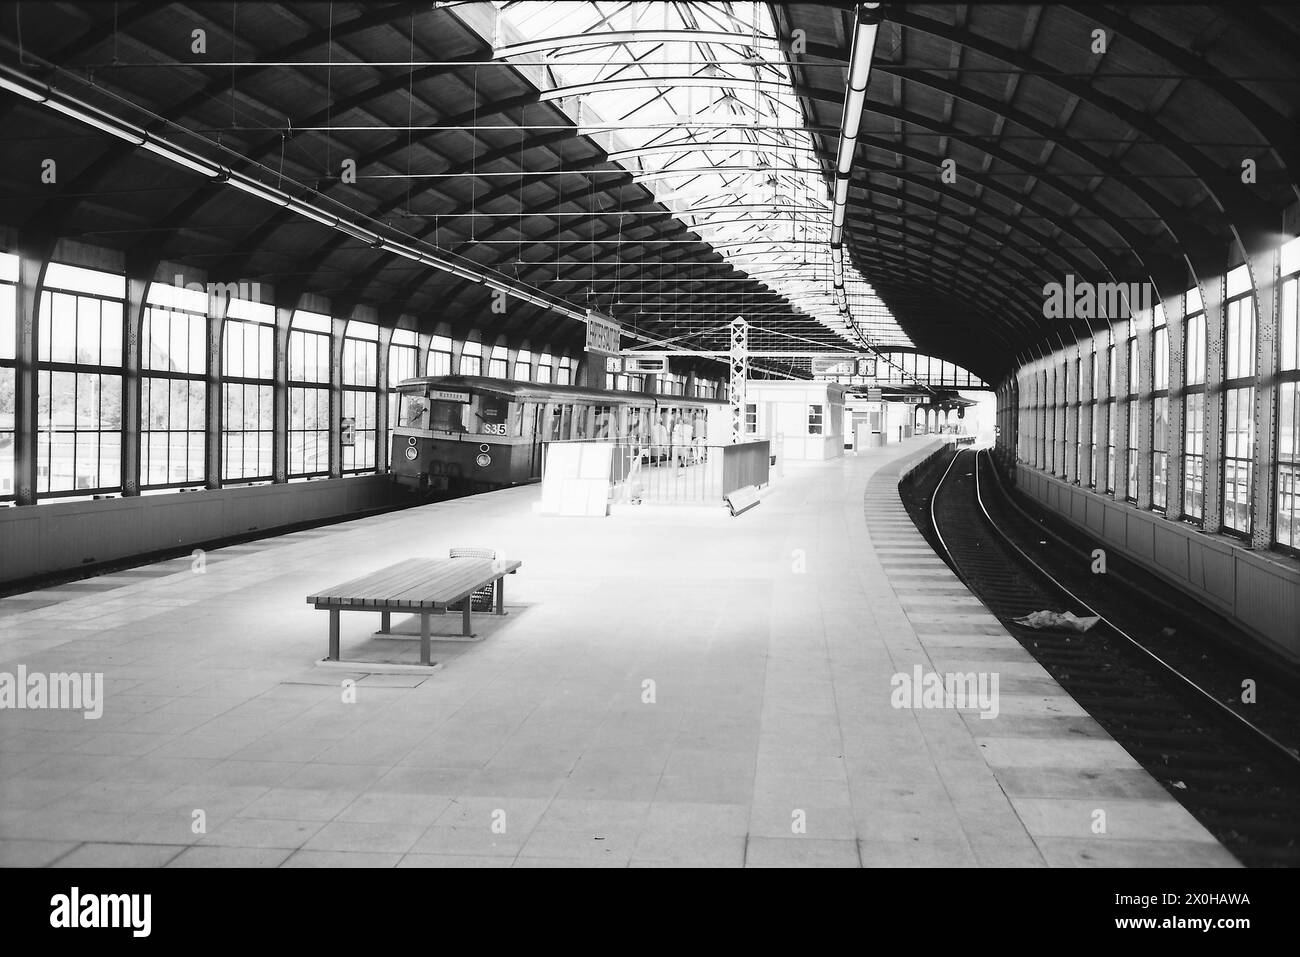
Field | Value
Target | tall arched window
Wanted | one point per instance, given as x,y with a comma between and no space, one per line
79,372
173,390
471,358
309,394
1160,412
1111,409
523,370
1133,407
1287,524
9,265
1194,408
360,392
497,366
439,359
1238,401
403,357
247,391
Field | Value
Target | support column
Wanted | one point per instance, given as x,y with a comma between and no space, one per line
137,291
1104,410
1073,373
1265,267
1122,410
382,394
217,305
31,276
280,396
1176,323
739,376
1213,294
1146,340
338,329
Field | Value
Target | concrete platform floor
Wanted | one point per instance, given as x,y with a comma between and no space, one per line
670,687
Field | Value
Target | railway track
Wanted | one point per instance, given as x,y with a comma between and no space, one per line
1169,695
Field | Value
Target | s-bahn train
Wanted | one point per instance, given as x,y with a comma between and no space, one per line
473,433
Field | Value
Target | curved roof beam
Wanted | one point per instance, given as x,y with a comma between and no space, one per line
1059,221
1276,131
1136,241
704,146
118,153
612,37
661,82
1255,214
957,254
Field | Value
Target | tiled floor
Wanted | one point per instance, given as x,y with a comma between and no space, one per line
671,687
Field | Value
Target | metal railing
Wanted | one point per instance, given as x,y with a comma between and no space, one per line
682,474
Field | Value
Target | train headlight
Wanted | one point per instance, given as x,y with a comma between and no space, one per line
411,440
411,453
483,460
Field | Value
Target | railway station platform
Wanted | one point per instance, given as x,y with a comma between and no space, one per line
669,687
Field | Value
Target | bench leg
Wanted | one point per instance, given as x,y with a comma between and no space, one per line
501,596
385,622
334,634
424,640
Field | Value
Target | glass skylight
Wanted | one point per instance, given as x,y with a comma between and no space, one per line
696,101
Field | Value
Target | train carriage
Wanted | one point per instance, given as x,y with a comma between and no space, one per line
473,433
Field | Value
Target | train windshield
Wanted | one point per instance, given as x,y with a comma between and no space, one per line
419,411
413,412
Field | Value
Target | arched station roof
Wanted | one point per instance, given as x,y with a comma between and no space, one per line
670,166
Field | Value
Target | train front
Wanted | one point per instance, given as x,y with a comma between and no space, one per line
449,437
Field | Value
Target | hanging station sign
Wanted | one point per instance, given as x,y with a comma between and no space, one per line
861,366
645,364
829,366
603,334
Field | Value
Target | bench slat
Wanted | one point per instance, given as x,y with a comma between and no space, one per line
462,579
377,583
416,584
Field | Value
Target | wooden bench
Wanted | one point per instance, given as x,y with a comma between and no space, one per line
418,586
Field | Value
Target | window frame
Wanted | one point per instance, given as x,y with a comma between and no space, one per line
149,375
47,367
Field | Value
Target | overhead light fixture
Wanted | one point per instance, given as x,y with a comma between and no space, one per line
180,159
365,235
253,189
310,213
89,120
22,91
860,53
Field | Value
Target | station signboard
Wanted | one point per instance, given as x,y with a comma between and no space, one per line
645,364
862,367
829,366
602,334
874,395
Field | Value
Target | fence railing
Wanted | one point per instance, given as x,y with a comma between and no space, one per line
685,474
